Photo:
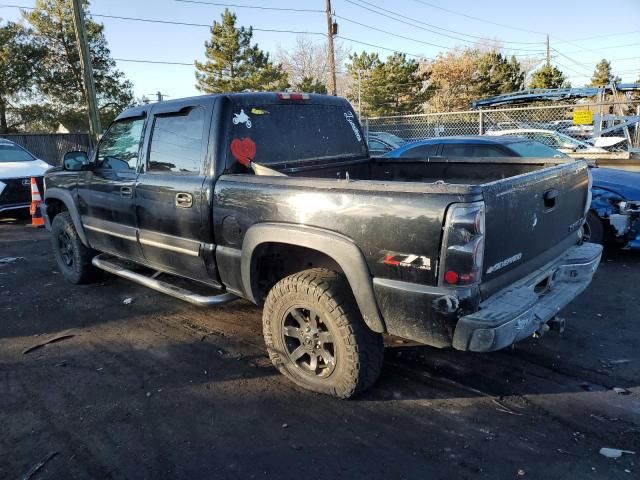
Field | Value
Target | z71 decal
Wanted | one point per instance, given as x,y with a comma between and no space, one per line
419,262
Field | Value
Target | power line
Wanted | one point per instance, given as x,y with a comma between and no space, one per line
188,24
159,62
412,22
600,36
581,65
381,47
390,33
478,18
602,48
257,7
172,22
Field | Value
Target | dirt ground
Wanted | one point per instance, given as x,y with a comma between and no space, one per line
161,389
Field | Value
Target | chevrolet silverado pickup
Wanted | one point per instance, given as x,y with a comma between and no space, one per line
273,198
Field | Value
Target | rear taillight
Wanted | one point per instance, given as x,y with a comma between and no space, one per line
463,245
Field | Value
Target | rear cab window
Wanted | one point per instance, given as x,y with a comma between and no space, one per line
177,142
289,133
533,149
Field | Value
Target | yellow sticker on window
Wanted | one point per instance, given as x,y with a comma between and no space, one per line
257,111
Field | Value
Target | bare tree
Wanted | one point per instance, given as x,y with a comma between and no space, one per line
307,59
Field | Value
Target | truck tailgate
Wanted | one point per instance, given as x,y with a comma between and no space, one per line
530,219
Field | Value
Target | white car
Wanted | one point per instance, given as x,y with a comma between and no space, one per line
17,166
553,139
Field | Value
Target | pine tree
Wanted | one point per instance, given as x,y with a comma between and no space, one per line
393,87
310,85
602,74
548,77
20,59
497,75
233,64
61,81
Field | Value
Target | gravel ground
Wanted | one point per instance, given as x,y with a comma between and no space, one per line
160,389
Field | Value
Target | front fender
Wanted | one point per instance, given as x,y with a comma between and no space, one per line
340,248
66,198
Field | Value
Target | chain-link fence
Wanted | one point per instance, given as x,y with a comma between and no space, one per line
613,127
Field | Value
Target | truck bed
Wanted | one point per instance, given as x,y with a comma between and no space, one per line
461,171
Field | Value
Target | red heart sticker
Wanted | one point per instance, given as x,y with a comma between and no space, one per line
244,150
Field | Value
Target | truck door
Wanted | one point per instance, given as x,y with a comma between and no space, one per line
105,196
173,208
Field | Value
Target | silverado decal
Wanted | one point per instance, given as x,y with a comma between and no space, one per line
504,263
349,117
406,260
244,150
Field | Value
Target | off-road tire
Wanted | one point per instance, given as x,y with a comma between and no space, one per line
359,352
79,270
594,229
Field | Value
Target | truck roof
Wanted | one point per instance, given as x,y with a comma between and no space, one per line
244,98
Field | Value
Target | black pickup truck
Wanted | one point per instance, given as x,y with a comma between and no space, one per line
273,198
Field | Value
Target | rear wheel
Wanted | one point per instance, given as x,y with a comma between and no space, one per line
72,257
593,229
316,337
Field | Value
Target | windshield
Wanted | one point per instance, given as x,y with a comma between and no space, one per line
13,153
290,133
534,149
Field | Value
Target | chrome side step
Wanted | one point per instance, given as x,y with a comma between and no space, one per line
111,265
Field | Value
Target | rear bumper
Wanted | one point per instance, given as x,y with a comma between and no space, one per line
521,309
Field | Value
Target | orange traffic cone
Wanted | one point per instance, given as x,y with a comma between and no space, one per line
36,201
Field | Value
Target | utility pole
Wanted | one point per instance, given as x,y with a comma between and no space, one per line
87,70
548,52
160,96
332,60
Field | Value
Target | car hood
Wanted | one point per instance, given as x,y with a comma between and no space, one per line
32,168
626,184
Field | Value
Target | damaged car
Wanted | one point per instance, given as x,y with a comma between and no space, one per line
614,216
615,208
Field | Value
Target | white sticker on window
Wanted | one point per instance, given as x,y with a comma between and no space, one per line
241,118
349,117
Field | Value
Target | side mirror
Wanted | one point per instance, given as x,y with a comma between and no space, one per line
75,161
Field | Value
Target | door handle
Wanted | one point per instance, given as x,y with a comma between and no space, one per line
550,198
184,200
126,192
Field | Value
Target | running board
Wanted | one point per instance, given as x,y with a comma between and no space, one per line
111,265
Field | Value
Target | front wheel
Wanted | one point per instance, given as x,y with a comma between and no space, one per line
72,257
316,337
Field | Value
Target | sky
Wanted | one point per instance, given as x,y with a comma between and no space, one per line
581,32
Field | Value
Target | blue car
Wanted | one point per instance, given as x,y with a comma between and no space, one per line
615,205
